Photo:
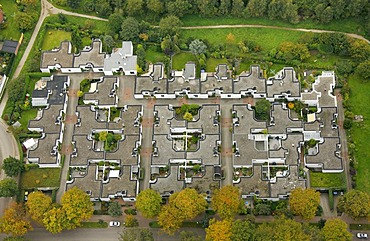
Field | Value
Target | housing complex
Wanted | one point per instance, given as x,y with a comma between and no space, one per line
185,128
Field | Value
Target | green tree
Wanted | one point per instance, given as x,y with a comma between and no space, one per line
262,109
74,4
115,209
168,219
237,8
24,21
12,166
77,206
8,187
178,7
155,6
130,29
115,22
262,209
15,89
169,25
197,47
76,41
292,51
189,202
304,202
189,236
14,221
103,8
108,43
219,230
188,116
355,203
336,230
226,201
140,52
242,230
136,234
134,7
256,8
207,7
148,202
359,49
37,205
168,46
281,229
363,70
224,7
131,221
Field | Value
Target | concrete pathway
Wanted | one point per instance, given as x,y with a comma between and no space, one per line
226,144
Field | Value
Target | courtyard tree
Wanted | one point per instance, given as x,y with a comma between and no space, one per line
355,203
14,221
188,202
188,116
37,205
226,201
169,26
148,202
77,206
12,166
55,220
8,187
262,109
219,230
336,230
304,202
115,209
197,47
136,234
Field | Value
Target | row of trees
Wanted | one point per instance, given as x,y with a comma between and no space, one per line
74,208
289,10
27,16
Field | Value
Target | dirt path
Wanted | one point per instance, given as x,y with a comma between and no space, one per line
357,36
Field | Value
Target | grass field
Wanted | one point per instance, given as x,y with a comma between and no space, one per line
266,38
40,177
27,115
328,180
53,38
180,59
360,100
342,25
11,31
153,56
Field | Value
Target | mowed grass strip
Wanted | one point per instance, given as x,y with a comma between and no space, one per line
266,38
360,100
328,180
40,177
351,25
53,38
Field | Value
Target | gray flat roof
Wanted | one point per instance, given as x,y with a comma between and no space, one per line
62,56
326,155
169,183
145,83
252,80
106,92
254,183
288,83
92,55
212,83
88,121
282,120
85,151
285,185
88,182
165,150
44,148
123,153
47,121
122,183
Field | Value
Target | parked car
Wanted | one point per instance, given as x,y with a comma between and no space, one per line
361,235
114,224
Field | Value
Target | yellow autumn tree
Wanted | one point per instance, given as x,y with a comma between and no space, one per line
219,230
37,205
14,221
226,201
304,202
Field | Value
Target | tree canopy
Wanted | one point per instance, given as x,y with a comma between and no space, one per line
130,29
12,166
219,230
243,230
355,203
169,26
14,221
136,234
226,201
304,202
336,230
148,202
8,187
37,205
197,47
115,209
262,109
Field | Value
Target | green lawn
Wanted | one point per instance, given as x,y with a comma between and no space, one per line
360,100
328,180
180,59
266,38
364,226
94,225
212,63
153,56
11,31
343,25
40,177
27,115
53,38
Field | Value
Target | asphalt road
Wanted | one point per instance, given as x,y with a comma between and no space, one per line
108,234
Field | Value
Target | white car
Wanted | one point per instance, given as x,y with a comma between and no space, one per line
361,235
114,224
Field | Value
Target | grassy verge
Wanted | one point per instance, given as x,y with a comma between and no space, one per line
360,132
94,225
40,177
327,180
266,38
186,224
364,226
343,25
154,224
53,38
